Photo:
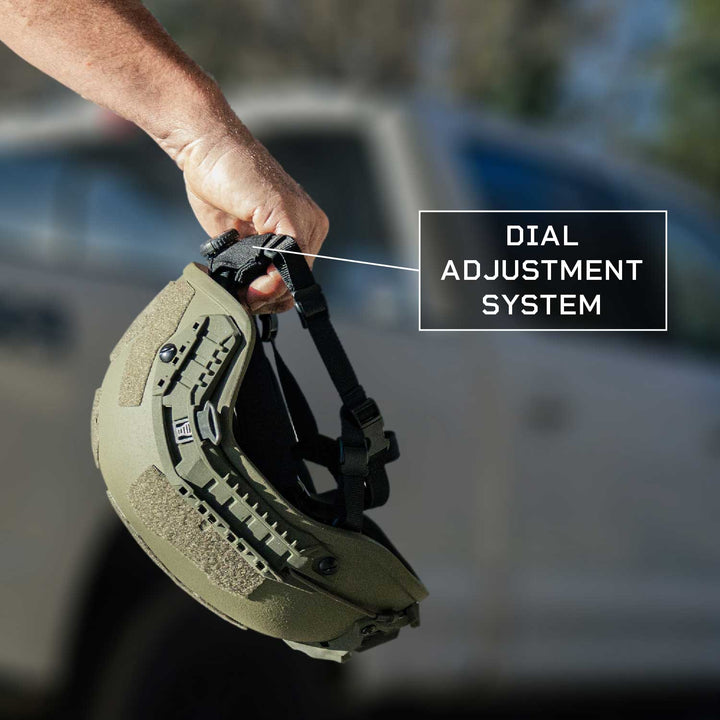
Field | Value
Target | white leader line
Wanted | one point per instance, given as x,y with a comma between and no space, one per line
330,257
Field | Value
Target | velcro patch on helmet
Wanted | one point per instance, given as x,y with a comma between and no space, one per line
164,512
151,328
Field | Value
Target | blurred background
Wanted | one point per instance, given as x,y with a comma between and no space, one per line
558,494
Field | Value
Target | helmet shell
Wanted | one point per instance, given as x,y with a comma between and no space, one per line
162,436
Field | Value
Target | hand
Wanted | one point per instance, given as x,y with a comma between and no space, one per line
233,181
115,53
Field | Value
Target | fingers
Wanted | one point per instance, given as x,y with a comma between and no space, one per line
268,293
309,228
233,182
212,219
266,306
284,303
268,288
279,307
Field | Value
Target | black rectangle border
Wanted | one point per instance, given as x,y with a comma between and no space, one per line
458,212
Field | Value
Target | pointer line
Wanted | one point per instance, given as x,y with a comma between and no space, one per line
329,257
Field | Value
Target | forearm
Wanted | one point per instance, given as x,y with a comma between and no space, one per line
115,53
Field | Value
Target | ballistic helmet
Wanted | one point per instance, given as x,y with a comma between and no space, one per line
204,456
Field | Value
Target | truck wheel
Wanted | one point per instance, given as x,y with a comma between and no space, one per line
173,658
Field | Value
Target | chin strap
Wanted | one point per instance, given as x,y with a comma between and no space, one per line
358,457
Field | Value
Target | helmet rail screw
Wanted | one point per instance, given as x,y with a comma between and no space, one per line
327,565
167,352
368,630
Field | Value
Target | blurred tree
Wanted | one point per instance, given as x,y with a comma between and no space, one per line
510,54
506,53
691,143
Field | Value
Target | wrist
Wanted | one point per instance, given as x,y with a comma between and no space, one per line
203,119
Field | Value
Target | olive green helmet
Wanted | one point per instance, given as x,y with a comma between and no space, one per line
203,452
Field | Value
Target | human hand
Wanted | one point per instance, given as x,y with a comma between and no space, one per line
115,53
233,181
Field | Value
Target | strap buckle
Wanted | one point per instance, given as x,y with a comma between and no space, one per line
368,417
310,302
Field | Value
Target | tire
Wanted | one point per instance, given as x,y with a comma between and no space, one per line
173,658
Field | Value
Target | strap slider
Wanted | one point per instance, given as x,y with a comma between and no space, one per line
368,417
268,327
310,302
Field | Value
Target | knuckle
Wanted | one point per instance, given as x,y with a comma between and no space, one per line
304,221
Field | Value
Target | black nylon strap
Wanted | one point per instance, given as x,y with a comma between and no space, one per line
357,459
336,455
315,316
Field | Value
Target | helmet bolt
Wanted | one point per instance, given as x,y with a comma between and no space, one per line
368,630
167,352
327,566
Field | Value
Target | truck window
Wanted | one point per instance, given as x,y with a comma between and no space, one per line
503,179
113,204
30,219
129,207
